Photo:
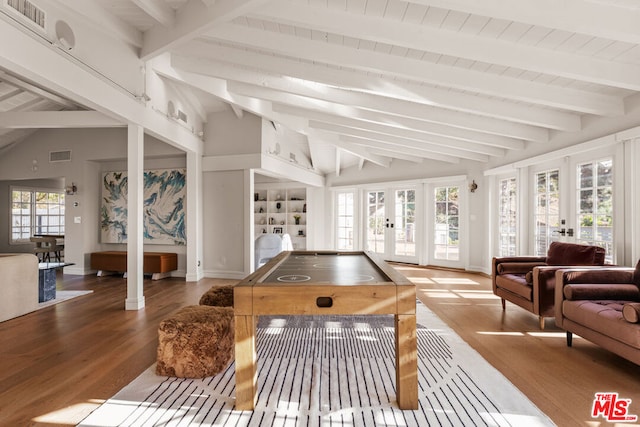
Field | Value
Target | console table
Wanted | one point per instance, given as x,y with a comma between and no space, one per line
47,279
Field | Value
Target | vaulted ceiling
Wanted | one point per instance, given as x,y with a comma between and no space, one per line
383,80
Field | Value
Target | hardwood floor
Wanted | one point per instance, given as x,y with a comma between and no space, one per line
60,362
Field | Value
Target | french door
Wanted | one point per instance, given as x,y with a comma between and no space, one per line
574,203
391,223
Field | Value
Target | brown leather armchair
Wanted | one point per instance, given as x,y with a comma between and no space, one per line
529,281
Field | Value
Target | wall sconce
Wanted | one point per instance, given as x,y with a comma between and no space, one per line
473,186
71,189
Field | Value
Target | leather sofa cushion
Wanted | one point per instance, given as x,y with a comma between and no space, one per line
601,292
604,317
636,274
517,267
515,283
561,253
631,312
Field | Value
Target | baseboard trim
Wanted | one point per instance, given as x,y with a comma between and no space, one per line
225,274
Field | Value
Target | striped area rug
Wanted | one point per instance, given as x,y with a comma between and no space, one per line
337,371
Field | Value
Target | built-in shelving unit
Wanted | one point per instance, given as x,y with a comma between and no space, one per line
282,211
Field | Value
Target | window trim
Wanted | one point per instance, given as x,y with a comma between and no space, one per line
32,190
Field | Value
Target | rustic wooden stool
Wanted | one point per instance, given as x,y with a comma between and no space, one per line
196,341
218,296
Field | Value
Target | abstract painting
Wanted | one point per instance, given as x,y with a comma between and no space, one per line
164,207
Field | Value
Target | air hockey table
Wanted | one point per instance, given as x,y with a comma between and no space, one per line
325,283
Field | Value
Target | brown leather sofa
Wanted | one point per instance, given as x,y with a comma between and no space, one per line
529,281
603,306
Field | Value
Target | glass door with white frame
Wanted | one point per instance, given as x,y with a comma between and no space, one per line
547,210
594,204
507,219
446,232
391,224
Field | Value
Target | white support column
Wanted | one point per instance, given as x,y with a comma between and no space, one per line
194,217
249,190
135,190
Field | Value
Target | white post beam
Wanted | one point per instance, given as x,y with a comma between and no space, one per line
194,218
135,207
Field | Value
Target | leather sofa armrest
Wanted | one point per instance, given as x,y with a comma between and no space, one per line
496,261
517,267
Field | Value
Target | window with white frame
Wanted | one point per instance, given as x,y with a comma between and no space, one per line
36,212
595,204
345,220
446,227
547,209
507,202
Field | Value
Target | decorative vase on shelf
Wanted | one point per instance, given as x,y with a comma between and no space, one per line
278,206
297,219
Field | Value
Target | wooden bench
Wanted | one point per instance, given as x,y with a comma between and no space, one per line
158,264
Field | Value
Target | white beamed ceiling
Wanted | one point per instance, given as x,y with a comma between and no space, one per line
383,80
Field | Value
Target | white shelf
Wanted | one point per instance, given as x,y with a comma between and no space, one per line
276,209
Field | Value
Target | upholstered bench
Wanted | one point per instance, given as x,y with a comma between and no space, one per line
218,296
158,264
197,341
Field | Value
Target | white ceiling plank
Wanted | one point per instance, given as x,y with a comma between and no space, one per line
400,141
395,155
439,116
193,20
158,10
357,151
57,119
456,44
338,162
218,88
460,78
384,145
411,134
421,112
407,123
578,16
385,92
104,21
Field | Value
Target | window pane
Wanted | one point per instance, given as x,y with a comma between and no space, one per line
595,213
446,244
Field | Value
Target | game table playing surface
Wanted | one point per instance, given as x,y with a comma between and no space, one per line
325,283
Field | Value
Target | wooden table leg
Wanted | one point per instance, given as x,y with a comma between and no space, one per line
246,357
406,361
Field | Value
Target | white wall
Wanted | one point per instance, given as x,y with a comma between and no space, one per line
224,228
226,134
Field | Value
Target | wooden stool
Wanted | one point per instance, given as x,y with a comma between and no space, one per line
196,341
218,296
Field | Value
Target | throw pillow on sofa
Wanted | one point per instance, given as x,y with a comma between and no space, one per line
631,312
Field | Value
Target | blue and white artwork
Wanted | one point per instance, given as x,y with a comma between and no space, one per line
164,207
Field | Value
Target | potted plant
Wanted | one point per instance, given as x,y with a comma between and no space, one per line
297,218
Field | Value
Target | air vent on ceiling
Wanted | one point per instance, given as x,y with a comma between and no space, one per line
60,156
28,10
